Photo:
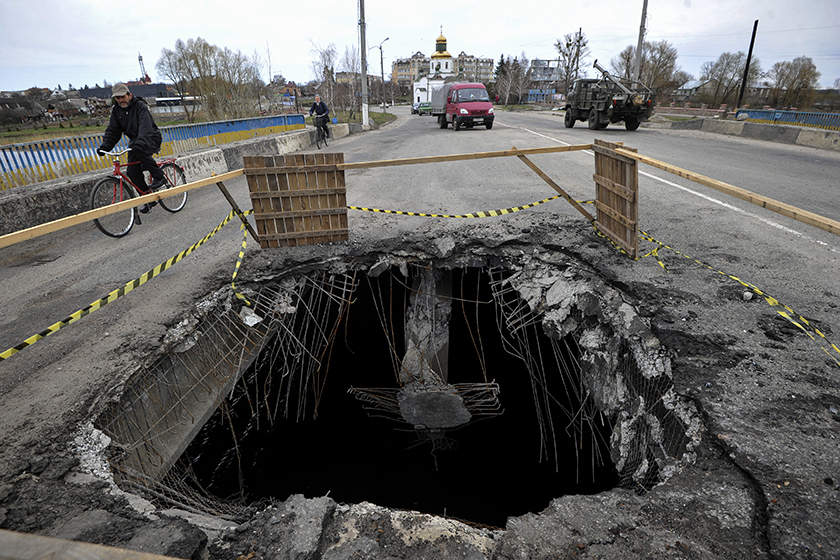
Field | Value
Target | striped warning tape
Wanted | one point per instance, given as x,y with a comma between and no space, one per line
486,214
239,261
786,312
145,277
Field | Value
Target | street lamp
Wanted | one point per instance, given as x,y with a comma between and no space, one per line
382,70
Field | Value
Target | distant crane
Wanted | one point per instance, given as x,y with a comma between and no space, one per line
143,76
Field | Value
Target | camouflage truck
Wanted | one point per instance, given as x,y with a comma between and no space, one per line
606,100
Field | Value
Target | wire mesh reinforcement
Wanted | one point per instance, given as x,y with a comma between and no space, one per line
299,318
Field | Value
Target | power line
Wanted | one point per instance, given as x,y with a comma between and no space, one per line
762,32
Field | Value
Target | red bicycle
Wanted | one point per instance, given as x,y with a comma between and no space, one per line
118,188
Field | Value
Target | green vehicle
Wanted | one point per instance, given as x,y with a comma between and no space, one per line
425,108
607,100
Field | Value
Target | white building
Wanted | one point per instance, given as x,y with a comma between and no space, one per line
441,67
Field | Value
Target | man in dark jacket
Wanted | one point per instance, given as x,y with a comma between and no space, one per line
131,116
320,109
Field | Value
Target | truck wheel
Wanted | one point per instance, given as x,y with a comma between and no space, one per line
569,119
455,124
442,121
593,119
631,123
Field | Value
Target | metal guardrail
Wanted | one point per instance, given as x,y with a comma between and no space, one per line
34,162
828,121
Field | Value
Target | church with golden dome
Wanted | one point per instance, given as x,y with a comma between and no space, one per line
422,73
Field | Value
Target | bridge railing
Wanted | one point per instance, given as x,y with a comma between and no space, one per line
35,162
828,121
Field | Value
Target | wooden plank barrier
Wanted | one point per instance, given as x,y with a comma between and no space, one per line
798,214
617,195
299,199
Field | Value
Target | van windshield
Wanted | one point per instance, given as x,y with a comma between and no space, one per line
472,94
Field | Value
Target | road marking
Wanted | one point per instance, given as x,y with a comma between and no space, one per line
708,198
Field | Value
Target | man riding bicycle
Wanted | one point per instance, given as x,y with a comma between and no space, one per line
131,116
321,110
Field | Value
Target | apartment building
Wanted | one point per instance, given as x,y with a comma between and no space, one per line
406,71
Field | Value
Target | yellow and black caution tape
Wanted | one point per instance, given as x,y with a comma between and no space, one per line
239,261
145,277
484,214
786,312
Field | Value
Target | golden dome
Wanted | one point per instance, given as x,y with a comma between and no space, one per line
440,47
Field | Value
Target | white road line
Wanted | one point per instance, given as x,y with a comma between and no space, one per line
708,198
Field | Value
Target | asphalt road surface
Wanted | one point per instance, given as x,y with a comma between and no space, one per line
67,376
46,279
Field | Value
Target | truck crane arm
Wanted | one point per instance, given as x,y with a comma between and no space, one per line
612,79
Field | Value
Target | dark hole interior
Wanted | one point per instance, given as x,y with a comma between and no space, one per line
483,472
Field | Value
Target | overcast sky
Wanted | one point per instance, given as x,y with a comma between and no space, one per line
47,43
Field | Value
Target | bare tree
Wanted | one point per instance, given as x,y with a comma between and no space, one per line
573,50
793,83
622,64
504,78
171,67
323,68
227,82
521,77
724,77
659,70
350,89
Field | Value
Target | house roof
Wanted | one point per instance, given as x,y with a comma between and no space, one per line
693,84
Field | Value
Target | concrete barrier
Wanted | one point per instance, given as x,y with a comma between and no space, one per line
32,205
732,128
771,132
817,138
786,134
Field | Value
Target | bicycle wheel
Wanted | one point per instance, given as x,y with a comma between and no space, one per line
111,191
319,136
174,178
326,140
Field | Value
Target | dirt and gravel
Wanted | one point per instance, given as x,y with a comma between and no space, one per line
765,482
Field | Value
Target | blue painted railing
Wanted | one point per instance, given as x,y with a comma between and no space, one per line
828,121
34,162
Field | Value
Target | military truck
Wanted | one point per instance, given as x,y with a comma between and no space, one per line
608,99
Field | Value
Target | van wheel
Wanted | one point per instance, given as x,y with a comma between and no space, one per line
442,121
455,124
489,125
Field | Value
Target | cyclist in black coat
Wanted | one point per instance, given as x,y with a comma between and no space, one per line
131,116
320,108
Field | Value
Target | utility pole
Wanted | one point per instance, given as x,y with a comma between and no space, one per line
363,44
382,70
637,67
747,68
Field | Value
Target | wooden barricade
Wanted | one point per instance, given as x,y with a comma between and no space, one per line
299,199
617,195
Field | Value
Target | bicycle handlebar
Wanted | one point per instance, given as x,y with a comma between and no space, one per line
113,153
